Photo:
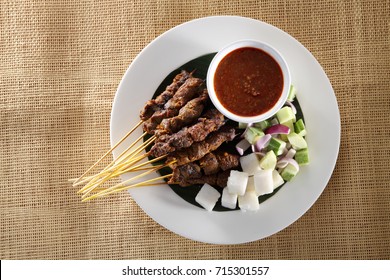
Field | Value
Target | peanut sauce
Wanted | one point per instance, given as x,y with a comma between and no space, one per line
248,82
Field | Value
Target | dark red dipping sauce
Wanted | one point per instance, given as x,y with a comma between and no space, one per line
248,82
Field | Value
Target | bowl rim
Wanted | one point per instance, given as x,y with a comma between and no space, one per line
270,50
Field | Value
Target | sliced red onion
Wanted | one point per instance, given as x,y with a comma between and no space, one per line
278,129
262,142
282,163
253,148
242,146
294,110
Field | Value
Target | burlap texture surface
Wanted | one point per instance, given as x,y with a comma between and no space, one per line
60,65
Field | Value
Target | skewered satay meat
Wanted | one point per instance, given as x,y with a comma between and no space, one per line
200,149
218,179
226,160
210,121
191,87
214,162
158,103
187,115
210,164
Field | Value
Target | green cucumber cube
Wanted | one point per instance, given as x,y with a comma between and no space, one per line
285,114
276,145
292,93
289,172
263,124
268,161
297,141
302,157
290,124
300,128
242,125
252,134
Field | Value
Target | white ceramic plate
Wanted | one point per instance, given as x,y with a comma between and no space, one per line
316,97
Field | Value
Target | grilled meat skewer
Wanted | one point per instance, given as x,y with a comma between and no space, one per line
191,88
200,149
218,179
214,162
158,103
187,115
210,121
224,161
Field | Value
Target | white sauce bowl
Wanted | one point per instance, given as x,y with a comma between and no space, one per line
252,44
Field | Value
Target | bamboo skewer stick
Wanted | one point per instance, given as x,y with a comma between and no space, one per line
111,166
121,171
119,158
131,179
99,189
108,172
90,187
104,193
109,151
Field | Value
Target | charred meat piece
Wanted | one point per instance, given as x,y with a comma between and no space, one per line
209,164
187,115
218,179
222,178
227,161
158,103
213,162
200,149
187,171
190,88
210,121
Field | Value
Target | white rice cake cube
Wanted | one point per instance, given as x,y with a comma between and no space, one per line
207,197
248,201
277,179
250,163
228,200
263,182
237,182
250,187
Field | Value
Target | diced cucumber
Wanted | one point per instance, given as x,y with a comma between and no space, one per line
297,141
252,134
242,125
263,124
290,124
302,157
268,161
285,114
277,179
289,172
292,93
276,145
300,128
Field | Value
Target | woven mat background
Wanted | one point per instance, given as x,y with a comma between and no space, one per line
60,64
